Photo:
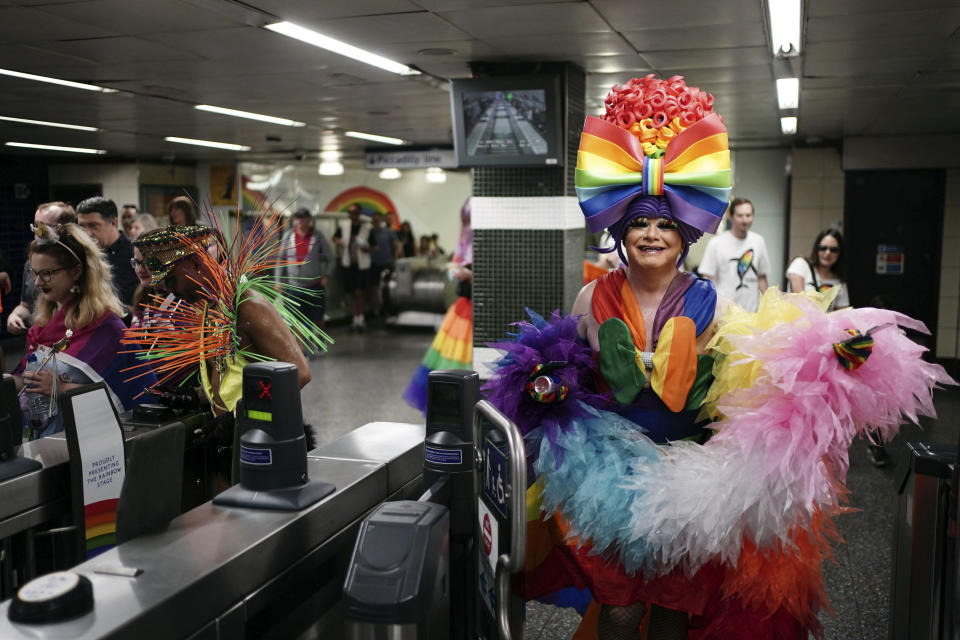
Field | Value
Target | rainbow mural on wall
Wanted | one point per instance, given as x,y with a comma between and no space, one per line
370,200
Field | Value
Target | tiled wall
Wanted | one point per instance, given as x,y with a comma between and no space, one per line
948,324
816,197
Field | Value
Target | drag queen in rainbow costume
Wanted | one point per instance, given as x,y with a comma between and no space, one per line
689,456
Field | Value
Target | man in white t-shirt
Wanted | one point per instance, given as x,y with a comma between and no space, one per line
737,260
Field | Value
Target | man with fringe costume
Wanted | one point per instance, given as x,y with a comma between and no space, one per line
689,456
230,312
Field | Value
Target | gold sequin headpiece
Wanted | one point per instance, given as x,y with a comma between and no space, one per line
162,249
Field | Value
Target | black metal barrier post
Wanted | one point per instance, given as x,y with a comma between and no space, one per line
401,592
500,478
921,598
448,470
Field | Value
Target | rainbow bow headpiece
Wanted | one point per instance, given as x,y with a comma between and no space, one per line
693,174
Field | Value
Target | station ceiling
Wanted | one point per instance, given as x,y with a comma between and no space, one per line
867,67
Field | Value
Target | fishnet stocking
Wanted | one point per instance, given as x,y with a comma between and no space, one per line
667,624
620,623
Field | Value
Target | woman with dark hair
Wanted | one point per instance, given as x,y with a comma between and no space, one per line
408,240
823,270
182,212
75,339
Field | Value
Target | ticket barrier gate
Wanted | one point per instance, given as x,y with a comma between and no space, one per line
500,478
447,565
924,544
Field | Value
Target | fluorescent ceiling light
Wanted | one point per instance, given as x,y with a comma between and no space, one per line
330,155
785,25
65,83
247,114
325,42
788,92
788,125
50,147
390,173
331,168
436,174
373,137
208,143
44,123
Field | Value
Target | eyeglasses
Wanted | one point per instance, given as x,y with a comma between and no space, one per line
139,264
45,275
830,249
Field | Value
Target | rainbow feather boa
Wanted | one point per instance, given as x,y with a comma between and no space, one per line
787,412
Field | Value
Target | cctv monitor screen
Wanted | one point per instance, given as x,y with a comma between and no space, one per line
508,121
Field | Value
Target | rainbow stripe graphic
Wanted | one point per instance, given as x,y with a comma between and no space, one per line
743,264
100,523
452,348
370,200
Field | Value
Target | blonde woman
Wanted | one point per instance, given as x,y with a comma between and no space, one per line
75,339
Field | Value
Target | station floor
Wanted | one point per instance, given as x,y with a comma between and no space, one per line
362,377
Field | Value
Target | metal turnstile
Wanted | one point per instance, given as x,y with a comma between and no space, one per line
475,466
500,479
921,585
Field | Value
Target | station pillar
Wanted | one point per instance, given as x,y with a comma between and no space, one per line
528,232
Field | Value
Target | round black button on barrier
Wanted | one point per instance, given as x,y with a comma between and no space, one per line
53,597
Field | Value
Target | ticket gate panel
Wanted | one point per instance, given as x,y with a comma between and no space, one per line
500,478
206,557
379,441
922,571
397,584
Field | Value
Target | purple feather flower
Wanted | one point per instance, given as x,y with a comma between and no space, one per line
540,342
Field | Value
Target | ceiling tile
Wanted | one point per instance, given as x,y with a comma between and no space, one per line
817,8
634,16
243,45
372,32
445,68
122,48
439,6
847,67
527,20
40,60
629,65
744,34
310,14
875,49
666,61
26,25
129,17
571,47
38,3
705,78
462,50
938,23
